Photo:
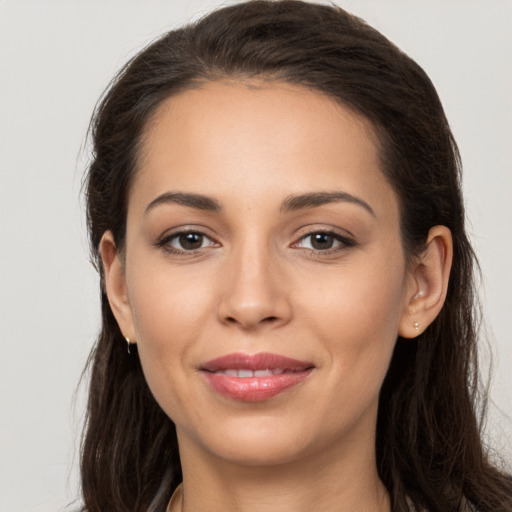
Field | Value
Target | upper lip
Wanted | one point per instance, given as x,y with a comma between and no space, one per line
260,361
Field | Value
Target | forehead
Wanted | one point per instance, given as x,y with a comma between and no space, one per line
273,113
236,139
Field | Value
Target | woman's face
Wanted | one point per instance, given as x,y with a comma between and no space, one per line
263,237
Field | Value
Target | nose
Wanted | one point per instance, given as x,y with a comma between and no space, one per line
254,291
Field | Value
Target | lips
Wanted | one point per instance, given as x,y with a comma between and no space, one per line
256,377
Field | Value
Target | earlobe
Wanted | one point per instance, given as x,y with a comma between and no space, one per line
428,283
115,284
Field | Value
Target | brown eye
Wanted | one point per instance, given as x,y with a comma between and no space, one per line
190,241
322,241
185,242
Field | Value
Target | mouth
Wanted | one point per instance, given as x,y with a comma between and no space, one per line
253,378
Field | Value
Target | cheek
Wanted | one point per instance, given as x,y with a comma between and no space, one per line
369,292
166,303
357,313
170,309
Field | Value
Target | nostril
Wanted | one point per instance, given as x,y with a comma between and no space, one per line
268,319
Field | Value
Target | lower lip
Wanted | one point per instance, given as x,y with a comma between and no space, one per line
254,389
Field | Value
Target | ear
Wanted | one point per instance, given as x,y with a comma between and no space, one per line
427,283
115,285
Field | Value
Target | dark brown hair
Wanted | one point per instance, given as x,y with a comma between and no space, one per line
429,448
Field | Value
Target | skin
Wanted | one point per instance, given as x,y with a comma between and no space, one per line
258,284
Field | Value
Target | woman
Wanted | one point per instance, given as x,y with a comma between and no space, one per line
274,207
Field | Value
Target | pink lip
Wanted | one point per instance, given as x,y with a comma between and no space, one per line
255,388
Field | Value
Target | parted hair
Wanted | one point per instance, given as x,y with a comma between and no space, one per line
429,446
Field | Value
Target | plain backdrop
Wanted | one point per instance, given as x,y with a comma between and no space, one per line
56,57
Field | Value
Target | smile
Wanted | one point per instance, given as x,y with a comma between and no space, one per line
253,378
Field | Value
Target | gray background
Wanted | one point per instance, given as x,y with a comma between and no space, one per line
56,57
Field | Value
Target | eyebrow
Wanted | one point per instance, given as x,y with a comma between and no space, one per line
290,204
198,201
314,199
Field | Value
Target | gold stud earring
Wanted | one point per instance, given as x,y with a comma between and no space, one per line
416,326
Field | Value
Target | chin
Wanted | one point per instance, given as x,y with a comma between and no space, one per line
265,441
260,451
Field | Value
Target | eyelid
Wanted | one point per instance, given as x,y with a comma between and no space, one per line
164,241
344,238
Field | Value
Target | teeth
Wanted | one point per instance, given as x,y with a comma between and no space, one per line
250,373
262,373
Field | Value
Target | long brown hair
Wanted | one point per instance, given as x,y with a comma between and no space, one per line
429,448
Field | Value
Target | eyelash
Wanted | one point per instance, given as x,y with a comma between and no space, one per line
345,242
165,242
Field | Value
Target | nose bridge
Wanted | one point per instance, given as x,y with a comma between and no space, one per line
253,293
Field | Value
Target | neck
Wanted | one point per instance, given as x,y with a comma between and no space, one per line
340,480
